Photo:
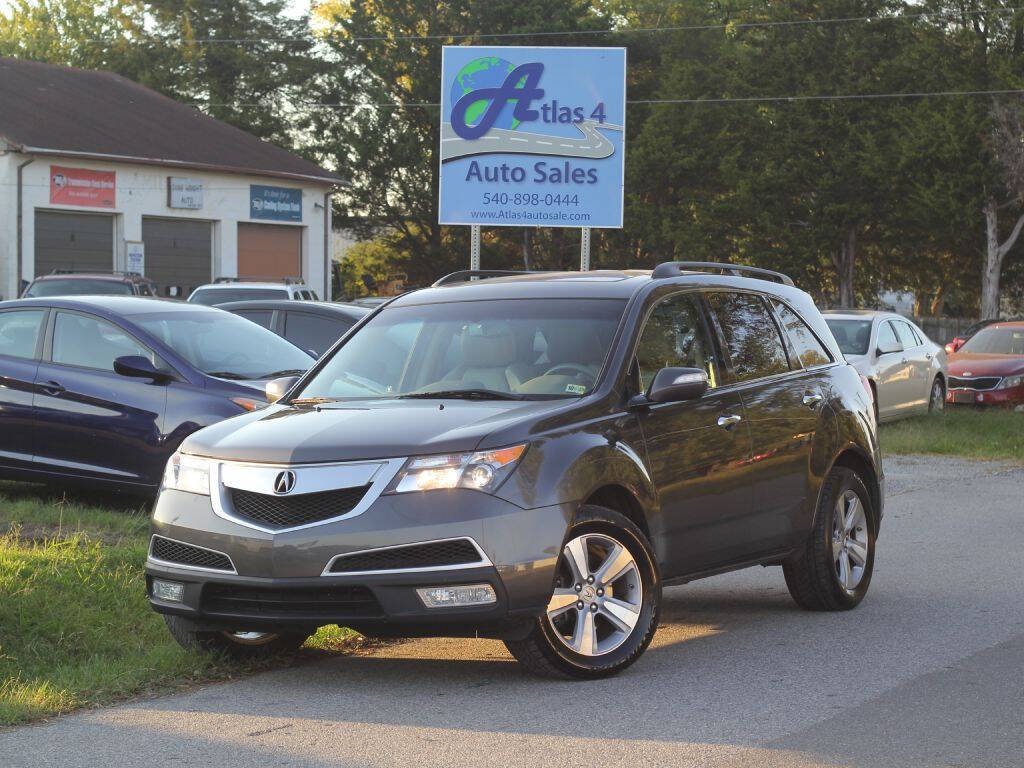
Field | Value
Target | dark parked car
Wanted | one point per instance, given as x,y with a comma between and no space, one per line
101,390
68,283
310,325
530,458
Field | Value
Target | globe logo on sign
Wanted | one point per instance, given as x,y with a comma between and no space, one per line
496,108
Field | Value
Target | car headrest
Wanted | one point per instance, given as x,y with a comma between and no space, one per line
488,347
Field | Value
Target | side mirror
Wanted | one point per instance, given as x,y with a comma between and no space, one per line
887,348
674,384
138,367
278,388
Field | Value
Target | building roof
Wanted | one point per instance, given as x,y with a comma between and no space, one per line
56,110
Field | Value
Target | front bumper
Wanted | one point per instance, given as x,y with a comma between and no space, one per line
1006,398
279,579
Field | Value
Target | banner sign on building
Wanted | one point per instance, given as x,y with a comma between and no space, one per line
184,193
135,257
82,186
275,203
532,136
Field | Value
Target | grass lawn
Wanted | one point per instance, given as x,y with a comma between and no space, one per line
988,434
75,627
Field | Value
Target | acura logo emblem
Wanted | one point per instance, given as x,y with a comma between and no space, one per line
284,482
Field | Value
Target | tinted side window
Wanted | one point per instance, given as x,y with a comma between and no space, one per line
262,317
313,333
805,344
906,334
751,336
675,337
92,343
19,332
887,336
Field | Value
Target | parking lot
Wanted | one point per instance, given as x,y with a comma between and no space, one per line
926,672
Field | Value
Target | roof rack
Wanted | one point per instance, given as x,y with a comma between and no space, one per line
66,271
465,275
676,268
258,279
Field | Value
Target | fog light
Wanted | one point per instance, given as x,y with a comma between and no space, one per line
170,591
471,594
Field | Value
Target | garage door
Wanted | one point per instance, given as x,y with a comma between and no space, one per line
178,252
79,241
269,250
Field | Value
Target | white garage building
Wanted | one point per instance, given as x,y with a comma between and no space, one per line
99,173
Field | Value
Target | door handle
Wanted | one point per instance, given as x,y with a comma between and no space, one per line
52,388
728,422
811,399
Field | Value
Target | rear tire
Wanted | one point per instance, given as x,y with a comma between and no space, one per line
608,567
833,571
242,646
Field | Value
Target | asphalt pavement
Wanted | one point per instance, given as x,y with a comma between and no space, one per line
928,671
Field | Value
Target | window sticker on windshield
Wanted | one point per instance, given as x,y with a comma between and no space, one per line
576,389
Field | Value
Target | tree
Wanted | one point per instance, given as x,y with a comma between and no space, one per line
241,61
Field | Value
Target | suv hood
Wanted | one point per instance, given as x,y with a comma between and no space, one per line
369,429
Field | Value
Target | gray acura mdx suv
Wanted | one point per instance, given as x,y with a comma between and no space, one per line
530,458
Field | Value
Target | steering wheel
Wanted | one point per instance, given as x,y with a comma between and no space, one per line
574,367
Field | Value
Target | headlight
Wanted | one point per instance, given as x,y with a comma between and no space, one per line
481,471
1010,382
187,473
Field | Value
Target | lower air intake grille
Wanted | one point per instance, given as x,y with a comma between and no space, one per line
337,602
185,554
430,555
290,511
980,383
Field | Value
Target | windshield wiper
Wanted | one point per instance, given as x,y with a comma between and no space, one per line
463,394
285,372
314,400
226,375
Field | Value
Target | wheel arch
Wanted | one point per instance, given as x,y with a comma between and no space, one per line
851,458
620,499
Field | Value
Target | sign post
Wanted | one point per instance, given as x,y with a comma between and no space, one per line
474,247
532,136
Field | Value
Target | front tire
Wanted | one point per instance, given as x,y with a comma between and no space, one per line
242,646
937,398
833,571
604,608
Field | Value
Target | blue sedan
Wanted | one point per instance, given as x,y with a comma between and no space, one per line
100,390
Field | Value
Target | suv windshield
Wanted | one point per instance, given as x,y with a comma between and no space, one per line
497,349
997,341
225,345
852,336
82,287
212,296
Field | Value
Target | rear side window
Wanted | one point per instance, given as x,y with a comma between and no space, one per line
19,332
907,336
751,336
89,342
809,351
262,317
675,337
313,333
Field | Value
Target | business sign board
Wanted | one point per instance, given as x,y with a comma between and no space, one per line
135,257
532,136
275,203
82,186
184,193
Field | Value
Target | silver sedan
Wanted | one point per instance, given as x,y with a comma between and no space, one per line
907,370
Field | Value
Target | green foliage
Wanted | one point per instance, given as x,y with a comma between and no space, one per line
980,434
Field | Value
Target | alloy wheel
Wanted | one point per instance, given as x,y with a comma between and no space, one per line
938,400
598,594
849,540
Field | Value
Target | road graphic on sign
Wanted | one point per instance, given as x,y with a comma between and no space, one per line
593,144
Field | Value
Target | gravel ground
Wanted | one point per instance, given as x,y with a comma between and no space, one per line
927,672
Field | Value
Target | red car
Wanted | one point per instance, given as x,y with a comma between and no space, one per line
989,368
964,337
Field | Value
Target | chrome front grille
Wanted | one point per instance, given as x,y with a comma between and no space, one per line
978,383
